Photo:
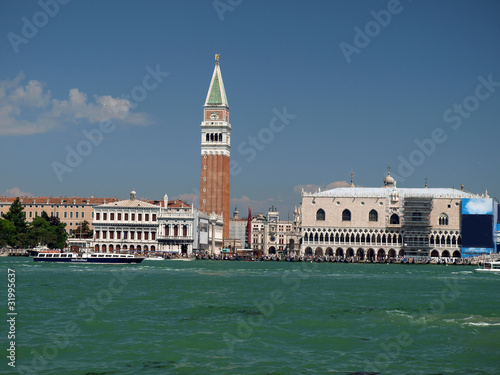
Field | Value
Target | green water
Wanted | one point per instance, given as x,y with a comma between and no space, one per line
213,317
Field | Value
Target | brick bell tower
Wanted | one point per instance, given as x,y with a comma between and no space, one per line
215,151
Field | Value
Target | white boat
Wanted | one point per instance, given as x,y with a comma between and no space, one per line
489,267
103,258
40,249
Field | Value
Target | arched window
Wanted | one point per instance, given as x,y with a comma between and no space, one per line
373,215
346,215
216,137
320,215
443,219
220,137
394,219
208,137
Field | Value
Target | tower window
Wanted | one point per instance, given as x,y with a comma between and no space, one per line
208,137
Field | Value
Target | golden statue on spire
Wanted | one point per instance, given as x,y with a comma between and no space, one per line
217,57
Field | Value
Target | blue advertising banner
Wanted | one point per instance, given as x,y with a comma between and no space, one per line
468,252
477,206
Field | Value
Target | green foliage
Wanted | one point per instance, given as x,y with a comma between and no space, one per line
83,230
7,233
44,230
17,216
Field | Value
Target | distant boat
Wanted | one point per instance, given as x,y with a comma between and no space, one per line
103,258
489,267
40,249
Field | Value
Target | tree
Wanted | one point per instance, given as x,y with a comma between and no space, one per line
83,230
40,232
17,216
7,233
46,230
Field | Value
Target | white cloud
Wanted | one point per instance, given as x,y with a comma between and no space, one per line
479,206
16,192
30,109
188,198
261,206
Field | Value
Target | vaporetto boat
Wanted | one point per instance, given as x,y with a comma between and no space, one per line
103,258
489,267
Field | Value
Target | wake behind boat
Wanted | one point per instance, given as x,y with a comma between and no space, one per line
102,258
154,258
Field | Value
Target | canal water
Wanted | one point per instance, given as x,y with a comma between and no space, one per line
229,317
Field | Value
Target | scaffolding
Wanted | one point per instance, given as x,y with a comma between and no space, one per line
417,225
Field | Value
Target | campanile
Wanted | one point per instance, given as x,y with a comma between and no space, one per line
215,151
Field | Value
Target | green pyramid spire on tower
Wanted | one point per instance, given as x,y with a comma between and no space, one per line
216,93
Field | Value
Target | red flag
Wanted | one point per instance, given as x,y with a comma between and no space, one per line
249,226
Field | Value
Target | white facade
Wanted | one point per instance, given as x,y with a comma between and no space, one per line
127,225
382,222
171,227
270,235
176,227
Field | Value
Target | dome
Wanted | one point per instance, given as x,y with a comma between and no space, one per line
389,181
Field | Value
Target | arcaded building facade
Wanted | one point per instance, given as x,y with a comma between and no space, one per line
385,222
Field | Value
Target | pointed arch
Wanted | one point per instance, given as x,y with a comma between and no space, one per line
346,215
320,215
443,219
394,219
373,215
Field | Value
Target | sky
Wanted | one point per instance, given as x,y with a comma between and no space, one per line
99,97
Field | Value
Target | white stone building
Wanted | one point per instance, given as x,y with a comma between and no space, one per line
176,227
126,225
382,222
164,226
270,235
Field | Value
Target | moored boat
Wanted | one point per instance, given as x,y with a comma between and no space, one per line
103,258
489,267
40,249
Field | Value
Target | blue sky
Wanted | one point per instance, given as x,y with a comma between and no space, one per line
364,83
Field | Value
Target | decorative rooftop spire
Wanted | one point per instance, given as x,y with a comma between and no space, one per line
216,93
352,178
